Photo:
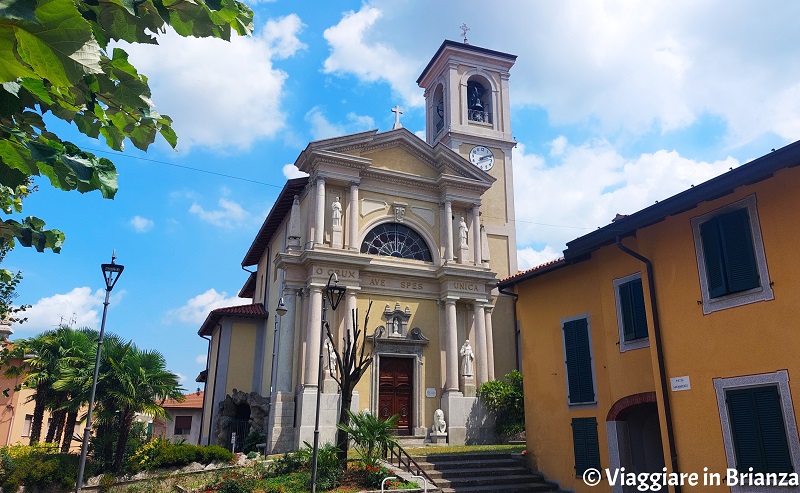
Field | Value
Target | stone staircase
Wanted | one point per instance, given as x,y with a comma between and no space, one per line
467,473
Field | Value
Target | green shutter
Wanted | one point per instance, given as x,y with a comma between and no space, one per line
634,314
639,311
738,252
759,433
715,264
585,444
579,361
626,306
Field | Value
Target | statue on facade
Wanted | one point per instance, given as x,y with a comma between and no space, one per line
337,212
462,232
331,357
466,365
439,424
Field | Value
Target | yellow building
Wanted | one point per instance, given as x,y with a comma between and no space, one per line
422,229
668,337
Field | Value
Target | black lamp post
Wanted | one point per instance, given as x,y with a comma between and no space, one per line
334,295
280,311
111,273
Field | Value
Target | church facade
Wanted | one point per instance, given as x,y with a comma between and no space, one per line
418,233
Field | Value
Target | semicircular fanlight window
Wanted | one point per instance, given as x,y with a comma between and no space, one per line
396,240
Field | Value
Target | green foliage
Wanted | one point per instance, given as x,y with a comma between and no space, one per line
232,483
370,434
159,452
507,401
38,468
56,60
329,474
251,440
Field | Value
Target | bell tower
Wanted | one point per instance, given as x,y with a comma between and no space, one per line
467,108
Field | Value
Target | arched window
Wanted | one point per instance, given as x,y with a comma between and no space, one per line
396,240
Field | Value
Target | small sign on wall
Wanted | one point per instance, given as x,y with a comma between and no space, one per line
430,392
680,383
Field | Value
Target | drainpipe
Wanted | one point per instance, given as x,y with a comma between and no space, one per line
516,327
662,373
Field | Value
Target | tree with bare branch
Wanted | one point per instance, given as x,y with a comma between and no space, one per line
351,364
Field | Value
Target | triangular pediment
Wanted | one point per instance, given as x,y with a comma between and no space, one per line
398,151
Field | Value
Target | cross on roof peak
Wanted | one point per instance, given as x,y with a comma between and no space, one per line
397,112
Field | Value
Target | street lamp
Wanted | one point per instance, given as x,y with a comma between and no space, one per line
334,295
111,273
280,311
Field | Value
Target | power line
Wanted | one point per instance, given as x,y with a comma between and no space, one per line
233,177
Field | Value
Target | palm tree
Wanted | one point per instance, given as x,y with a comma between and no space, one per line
133,381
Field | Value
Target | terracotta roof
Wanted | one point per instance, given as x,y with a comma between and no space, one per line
255,310
533,271
191,401
281,207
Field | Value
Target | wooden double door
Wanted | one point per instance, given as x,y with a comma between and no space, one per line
395,391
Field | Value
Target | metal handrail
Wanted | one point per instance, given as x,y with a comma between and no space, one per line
404,461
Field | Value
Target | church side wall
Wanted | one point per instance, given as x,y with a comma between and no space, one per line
242,352
208,398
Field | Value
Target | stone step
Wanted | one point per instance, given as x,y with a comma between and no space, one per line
513,488
436,474
468,464
509,479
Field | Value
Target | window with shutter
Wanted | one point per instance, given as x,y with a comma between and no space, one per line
578,360
758,430
730,256
631,312
586,444
183,425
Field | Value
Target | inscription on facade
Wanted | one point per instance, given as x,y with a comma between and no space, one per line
340,273
465,286
399,284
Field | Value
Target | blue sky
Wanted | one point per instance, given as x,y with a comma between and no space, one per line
615,104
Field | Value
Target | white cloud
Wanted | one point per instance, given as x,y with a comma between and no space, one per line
370,61
141,224
228,215
196,309
220,94
587,185
321,128
290,171
181,378
614,65
79,304
201,359
529,257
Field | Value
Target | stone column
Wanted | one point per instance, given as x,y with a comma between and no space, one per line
448,226
286,350
301,336
312,337
352,217
349,306
481,355
319,224
476,235
489,341
451,346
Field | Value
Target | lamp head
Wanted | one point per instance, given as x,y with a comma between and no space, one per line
111,272
334,293
281,308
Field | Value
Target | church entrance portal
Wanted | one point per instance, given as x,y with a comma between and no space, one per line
395,391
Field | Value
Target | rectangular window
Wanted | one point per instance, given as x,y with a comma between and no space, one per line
730,256
183,425
631,312
586,444
578,360
26,426
758,430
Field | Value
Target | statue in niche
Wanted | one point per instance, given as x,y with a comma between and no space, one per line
462,232
396,326
466,364
337,212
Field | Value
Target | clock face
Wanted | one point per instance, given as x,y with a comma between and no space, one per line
482,157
